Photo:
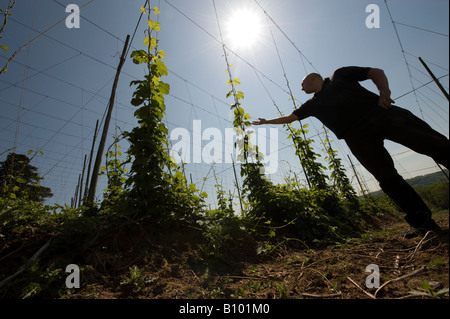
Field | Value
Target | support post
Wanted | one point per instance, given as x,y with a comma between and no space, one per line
434,78
237,186
98,160
82,182
357,177
86,188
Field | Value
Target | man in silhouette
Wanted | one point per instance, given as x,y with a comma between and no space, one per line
364,120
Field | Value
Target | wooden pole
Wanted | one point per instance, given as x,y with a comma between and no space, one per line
86,188
357,177
434,78
443,91
82,181
75,198
237,186
98,160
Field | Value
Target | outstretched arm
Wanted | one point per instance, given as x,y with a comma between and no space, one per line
379,78
280,120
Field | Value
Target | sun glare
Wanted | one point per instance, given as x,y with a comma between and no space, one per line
244,29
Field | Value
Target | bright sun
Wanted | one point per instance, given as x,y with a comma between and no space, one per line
244,29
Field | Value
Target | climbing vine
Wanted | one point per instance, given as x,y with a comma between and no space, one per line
308,158
338,174
156,185
315,214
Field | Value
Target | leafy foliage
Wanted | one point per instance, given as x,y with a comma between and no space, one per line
339,176
317,214
155,186
115,171
6,12
308,158
19,179
435,195
155,191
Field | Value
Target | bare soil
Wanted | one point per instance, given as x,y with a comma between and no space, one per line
172,267
147,262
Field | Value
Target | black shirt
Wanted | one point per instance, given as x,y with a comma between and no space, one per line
343,103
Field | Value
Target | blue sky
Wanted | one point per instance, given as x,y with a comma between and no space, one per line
62,81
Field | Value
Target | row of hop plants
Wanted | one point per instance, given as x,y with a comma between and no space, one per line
149,185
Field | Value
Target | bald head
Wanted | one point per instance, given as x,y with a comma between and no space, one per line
312,83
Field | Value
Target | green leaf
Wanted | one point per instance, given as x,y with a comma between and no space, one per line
154,25
160,68
427,288
239,95
161,54
178,175
153,43
139,57
192,188
4,47
164,88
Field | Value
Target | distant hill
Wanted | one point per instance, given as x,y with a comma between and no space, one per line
422,181
426,180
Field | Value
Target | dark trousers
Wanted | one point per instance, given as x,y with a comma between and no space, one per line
400,126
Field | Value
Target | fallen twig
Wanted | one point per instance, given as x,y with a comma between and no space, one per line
33,258
419,245
398,279
367,293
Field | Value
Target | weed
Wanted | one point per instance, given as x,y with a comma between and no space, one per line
429,292
136,279
283,291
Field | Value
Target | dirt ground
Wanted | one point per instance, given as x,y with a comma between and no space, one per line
173,269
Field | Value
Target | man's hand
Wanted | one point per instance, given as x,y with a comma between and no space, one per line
280,120
385,100
260,122
381,81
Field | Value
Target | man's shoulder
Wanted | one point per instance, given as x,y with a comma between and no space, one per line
355,73
306,109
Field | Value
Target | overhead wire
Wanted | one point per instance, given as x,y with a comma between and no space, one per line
404,55
409,72
36,37
255,69
419,28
